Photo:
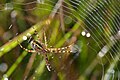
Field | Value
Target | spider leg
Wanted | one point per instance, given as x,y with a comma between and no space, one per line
36,34
45,39
47,62
25,48
44,36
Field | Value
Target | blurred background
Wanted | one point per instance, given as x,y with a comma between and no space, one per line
93,26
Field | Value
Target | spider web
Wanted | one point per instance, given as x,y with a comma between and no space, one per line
98,33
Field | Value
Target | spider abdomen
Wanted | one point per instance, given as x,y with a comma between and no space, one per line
60,50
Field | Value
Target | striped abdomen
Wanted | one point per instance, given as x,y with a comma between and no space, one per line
60,50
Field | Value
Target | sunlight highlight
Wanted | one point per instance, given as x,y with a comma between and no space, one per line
1,49
13,14
8,6
83,33
40,1
103,51
3,67
5,77
88,35
28,34
24,37
47,21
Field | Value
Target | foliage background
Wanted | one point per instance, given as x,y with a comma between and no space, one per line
65,22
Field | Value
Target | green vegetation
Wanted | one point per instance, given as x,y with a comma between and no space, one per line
92,27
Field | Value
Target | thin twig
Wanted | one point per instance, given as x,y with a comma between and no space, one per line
62,19
29,66
55,9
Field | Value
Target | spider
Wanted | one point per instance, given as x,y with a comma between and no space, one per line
39,47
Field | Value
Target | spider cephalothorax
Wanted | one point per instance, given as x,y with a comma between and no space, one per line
38,47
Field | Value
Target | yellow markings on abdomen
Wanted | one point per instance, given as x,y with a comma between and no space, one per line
60,50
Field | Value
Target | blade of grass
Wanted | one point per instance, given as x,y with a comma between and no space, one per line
14,66
13,43
67,35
